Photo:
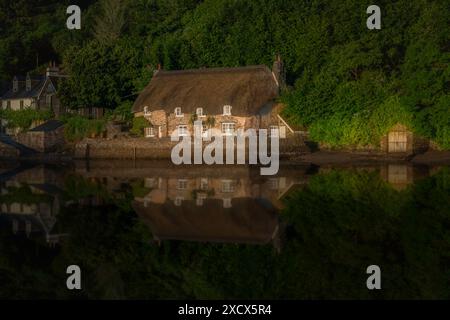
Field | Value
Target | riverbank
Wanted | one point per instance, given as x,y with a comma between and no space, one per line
292,150
319,158
431,157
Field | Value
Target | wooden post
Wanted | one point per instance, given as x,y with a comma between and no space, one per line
87,154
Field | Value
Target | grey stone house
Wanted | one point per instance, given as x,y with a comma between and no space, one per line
34,92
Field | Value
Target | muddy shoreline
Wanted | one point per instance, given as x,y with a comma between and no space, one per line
339,158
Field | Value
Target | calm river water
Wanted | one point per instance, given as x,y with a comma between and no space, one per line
146,230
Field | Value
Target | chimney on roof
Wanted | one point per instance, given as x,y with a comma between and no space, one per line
52,70
279,72
15,84
28,82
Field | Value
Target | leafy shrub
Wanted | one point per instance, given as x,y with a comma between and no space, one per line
139,124
78,127
23,119
122,112
363,128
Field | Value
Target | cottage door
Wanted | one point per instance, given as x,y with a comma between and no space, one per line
159,132
397,141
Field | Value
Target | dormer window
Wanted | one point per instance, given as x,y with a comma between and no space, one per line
178,112
15,85
227,110
182,131
199,112
147,113
28,85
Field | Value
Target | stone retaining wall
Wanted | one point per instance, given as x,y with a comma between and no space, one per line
7,151
153,148
42,141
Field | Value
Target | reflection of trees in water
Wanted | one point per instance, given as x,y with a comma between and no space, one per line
344,221
340,223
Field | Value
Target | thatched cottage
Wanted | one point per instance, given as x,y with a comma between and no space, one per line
225,99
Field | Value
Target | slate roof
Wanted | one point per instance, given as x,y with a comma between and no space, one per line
36,86
48,126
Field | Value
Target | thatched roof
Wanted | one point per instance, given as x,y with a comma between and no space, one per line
246,89
246,222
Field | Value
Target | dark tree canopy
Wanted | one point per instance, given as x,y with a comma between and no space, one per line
348,84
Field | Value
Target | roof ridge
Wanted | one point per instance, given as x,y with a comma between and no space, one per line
211,70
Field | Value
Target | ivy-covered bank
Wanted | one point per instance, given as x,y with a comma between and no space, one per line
347,84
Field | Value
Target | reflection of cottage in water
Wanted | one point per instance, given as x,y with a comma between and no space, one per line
250,221
212,209
32,208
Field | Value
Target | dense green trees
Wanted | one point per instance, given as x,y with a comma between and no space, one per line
348,84
101,74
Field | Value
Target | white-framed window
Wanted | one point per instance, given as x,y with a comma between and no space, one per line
204,183
274,131
179,201
228,128
227,110
199,112
182,130
205,131
228,186
273,184
201,197
147,113
182,184
149,132
178,112
227,203
150,183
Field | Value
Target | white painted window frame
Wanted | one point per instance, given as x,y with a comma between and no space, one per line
199,113
178,112
149,132
228,132
182,130
227,110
